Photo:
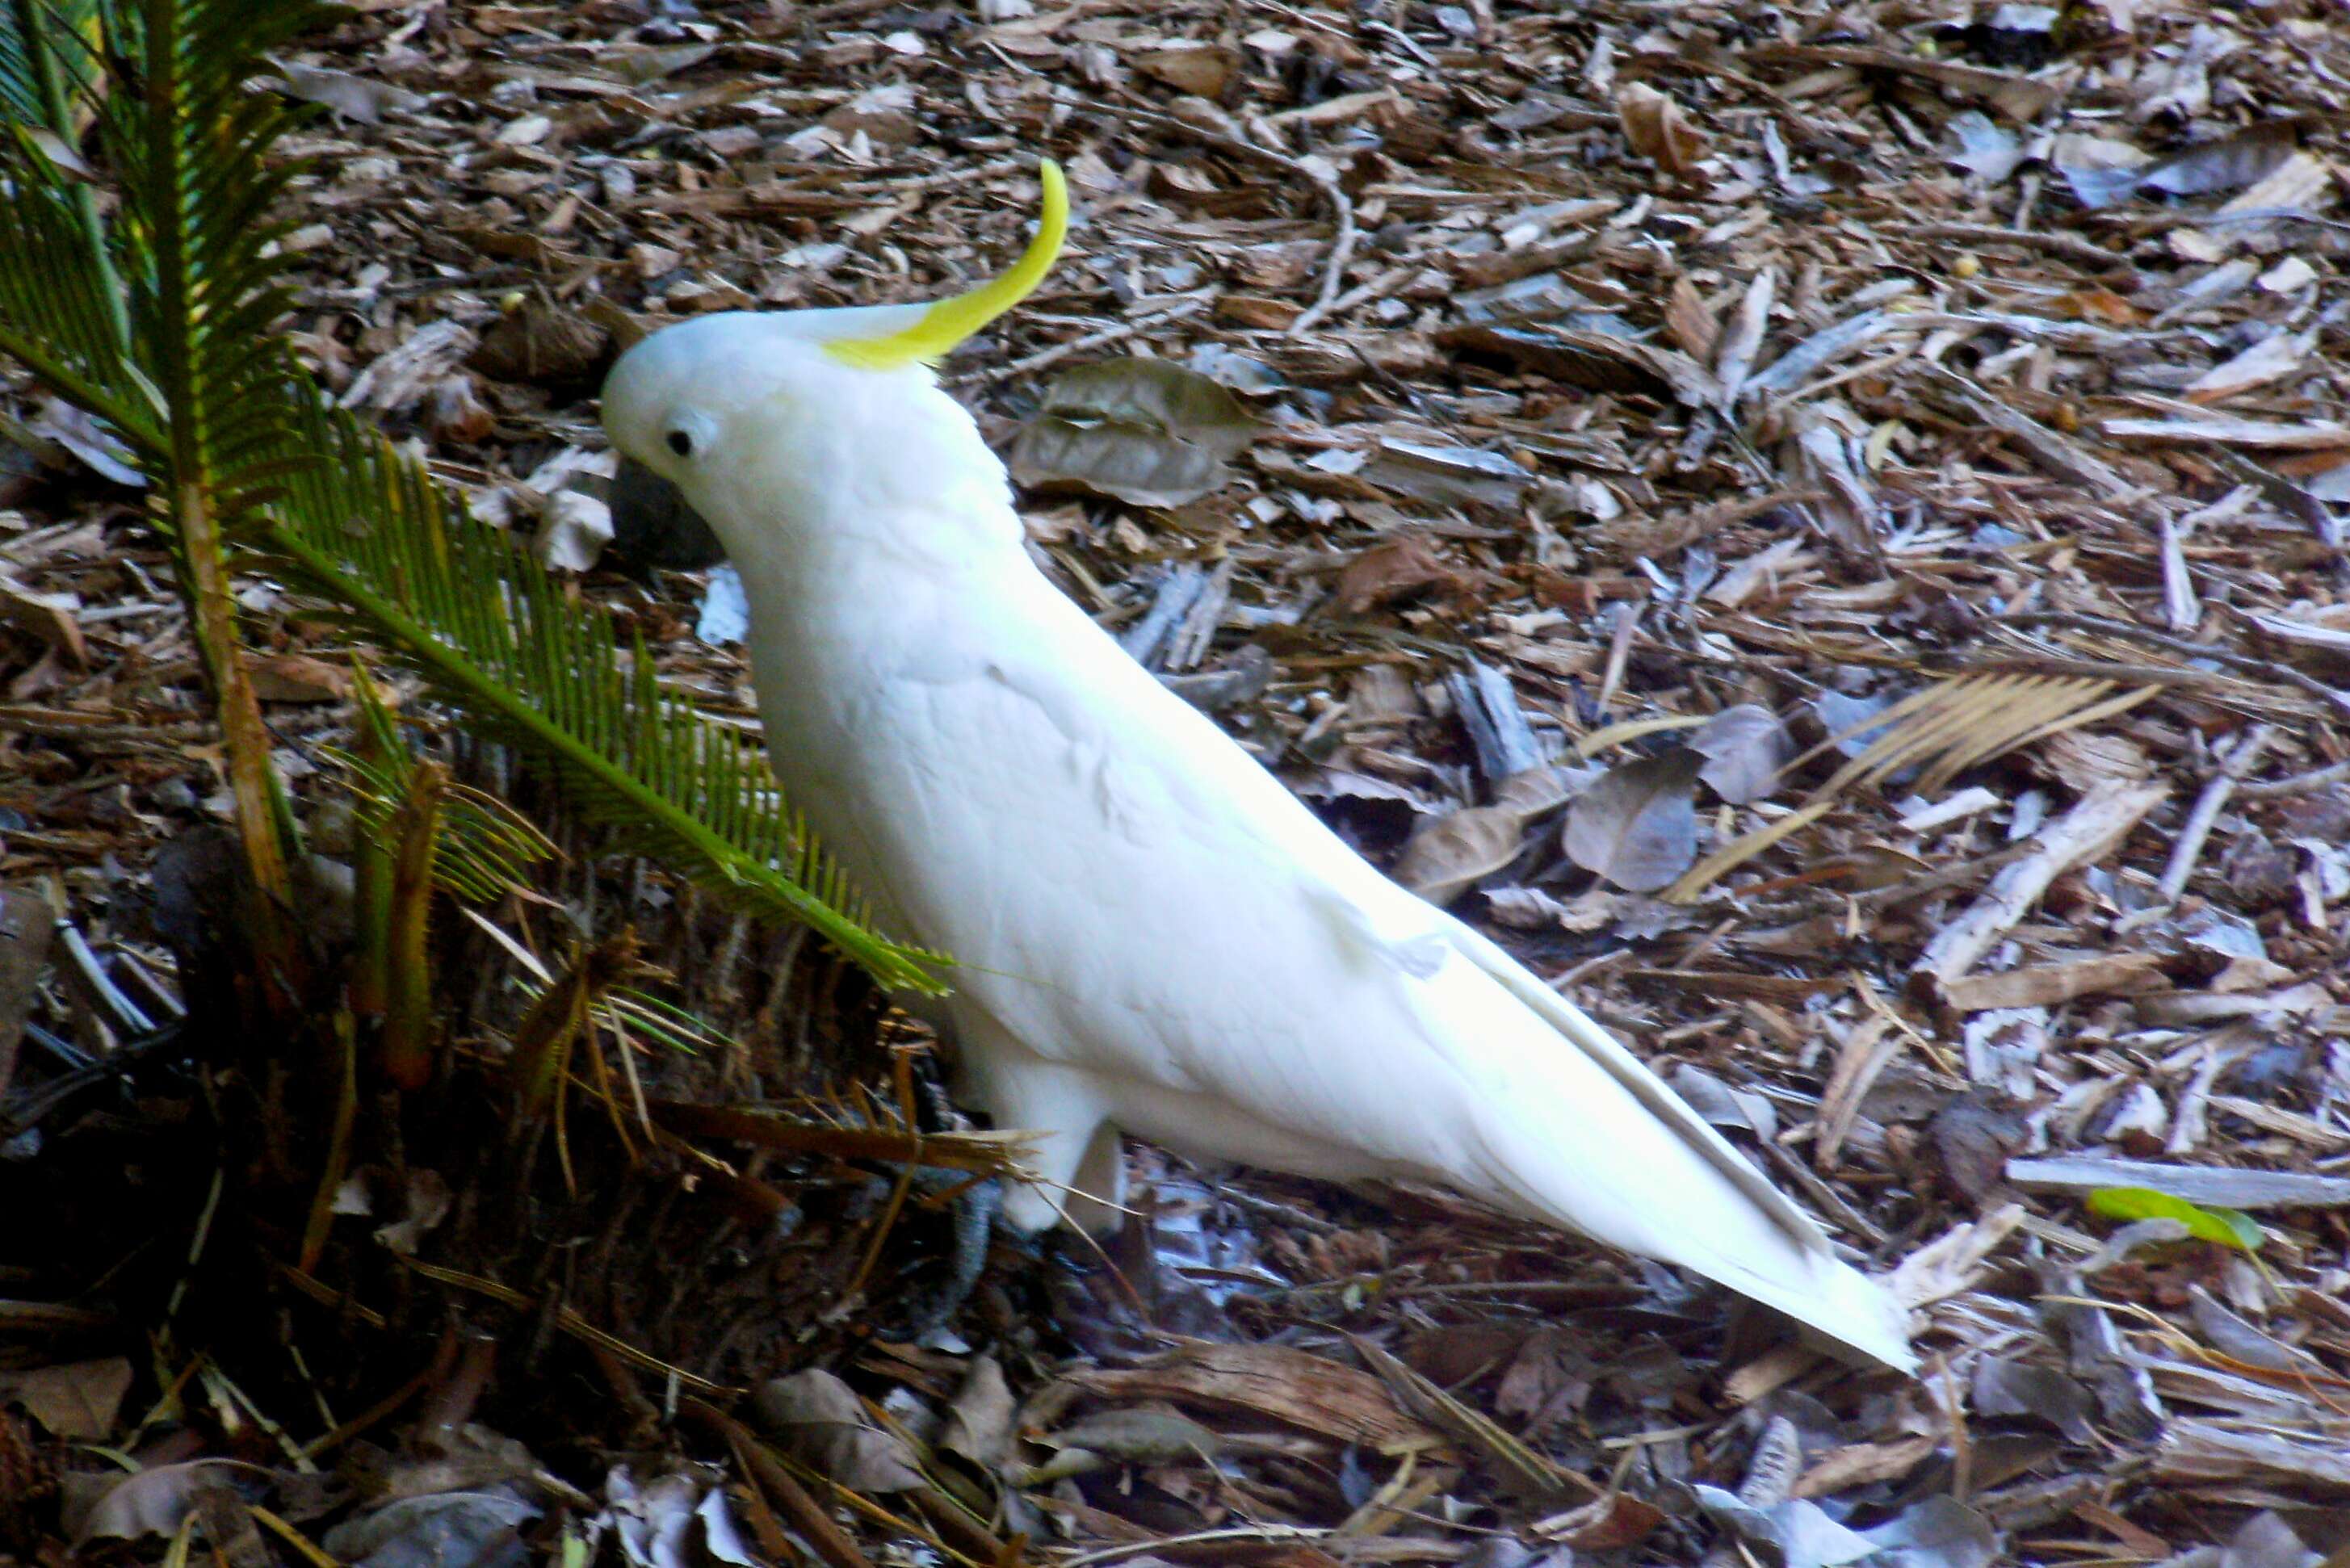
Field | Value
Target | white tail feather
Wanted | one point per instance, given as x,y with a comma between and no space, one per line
1645,1172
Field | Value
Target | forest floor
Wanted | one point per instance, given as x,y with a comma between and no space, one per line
1820,526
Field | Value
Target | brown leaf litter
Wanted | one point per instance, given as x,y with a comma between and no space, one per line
1951,393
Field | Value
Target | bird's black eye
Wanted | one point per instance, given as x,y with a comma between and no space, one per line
681,443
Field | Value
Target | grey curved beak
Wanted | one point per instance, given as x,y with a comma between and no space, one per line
653,528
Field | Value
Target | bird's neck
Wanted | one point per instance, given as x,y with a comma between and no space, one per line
871,580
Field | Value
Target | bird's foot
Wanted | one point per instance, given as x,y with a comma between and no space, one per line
973,1211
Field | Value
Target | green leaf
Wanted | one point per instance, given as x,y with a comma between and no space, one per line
159,321
2228,1227
482,847
366,532
42,69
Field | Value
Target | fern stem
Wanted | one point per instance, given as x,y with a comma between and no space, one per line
408,1015
51,369
194,524
252,781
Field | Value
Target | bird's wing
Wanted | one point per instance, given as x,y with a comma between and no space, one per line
1125,889
1132,895
1653,1096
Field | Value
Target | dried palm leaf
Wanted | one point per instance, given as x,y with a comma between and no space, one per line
1948,727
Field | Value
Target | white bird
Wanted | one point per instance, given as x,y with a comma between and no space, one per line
1153,935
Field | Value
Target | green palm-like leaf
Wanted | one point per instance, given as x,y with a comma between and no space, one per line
482,847
61,312
39,78
178,357
386,553
55,316
159,326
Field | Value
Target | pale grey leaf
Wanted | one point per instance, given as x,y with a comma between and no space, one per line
1636,828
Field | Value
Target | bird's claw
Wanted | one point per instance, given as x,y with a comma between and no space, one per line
974,1212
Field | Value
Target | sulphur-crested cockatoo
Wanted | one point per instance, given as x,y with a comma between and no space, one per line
1152,934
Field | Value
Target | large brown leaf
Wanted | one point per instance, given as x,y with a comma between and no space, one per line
1144,432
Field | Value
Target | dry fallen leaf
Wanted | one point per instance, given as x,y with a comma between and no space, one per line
1609,1524
544,343
819,1419
1307,1391
50,618
76,1402
979,1422
1658,130
1203,70
1388,571
1443,857
1636,828
299,678
1744,747
154,1502
1141,431
1691,325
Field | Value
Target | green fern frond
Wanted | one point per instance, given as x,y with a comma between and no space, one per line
671,1024
371,537
50,73
179,358
55,318
48,59
187,153
483,848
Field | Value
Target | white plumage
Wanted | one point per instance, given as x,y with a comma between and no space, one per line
1154,935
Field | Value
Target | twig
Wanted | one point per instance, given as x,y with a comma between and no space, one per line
2206,811
2270,215
2072,247
815,1523
2300,784
1107,335
842,11
1287,1213
1387,283
2284,674
1821,1193
1258,1533
2101,819
22,1109
2034,662
1962,1447
1342,209
1626,620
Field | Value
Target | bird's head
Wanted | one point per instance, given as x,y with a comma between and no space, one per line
790,400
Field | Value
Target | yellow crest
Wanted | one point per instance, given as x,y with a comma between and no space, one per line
942,326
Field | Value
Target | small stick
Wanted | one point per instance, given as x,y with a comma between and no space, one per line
1626,619
2099,821
2072,247
2206,811
1107,335
2299,783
